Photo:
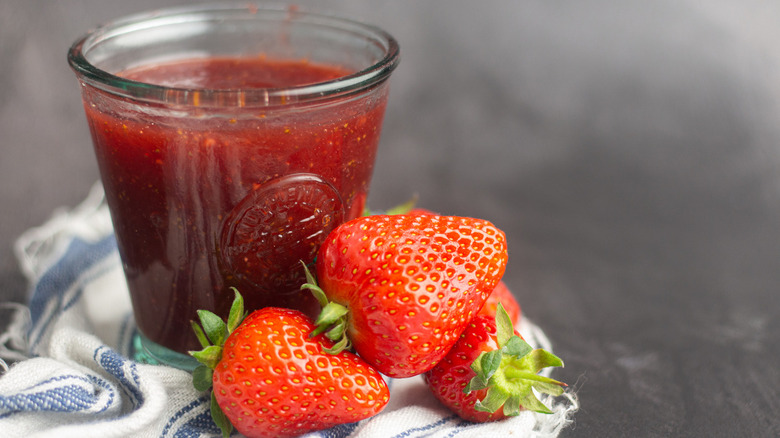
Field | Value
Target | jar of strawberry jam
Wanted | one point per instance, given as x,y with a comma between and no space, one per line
230,141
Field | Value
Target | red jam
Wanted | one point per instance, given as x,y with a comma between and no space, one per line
202,201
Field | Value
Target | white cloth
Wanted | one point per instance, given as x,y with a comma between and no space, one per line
73,376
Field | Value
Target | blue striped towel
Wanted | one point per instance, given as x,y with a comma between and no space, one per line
72,375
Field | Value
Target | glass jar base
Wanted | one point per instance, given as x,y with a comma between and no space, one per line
151,353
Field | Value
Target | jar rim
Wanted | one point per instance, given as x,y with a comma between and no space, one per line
346,85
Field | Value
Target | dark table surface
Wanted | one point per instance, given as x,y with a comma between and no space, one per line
630,151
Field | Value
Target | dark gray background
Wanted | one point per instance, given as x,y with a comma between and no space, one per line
629,149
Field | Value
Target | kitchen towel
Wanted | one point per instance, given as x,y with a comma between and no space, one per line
72,374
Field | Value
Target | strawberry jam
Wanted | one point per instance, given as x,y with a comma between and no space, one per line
205,198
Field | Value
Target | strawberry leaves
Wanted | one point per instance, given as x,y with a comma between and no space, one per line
510,373
201,378
211,334
332,319
219,417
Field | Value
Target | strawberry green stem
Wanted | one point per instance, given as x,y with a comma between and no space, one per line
332,320
212,333
511,373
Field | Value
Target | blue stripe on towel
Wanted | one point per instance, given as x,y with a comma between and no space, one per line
199,423
124,371
67,393
427,428
79,257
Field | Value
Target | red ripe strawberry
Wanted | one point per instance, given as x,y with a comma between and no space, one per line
491,367
271,379
502,294
402,288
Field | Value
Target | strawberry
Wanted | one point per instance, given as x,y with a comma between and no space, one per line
502,294
271,379
401,288
492,366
